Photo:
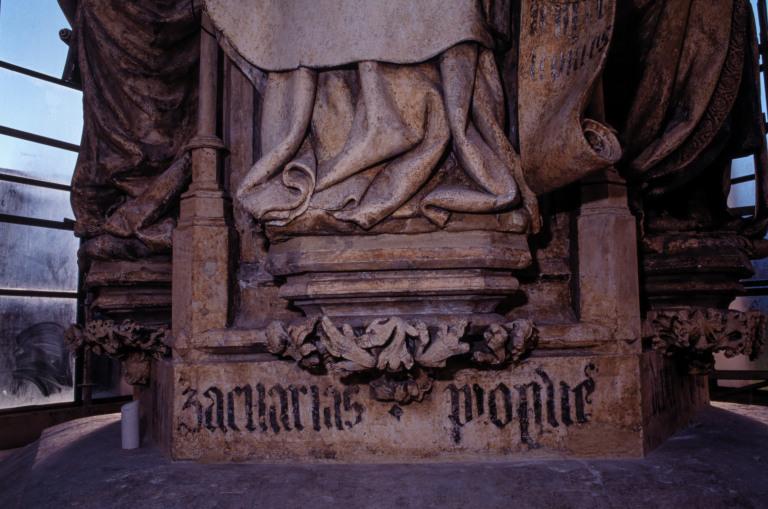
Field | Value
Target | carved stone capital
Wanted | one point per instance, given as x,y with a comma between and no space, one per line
133,343
400,351
695,334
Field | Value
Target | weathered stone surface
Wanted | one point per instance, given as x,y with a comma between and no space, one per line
270,410
671,397
414,292
200,296
385,211
440,273
695,268
441,250
264,32
128,273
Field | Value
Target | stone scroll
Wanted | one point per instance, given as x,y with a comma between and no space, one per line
563,46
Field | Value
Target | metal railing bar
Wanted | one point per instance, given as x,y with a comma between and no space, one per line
66,224
727,391
34,74
752,283
737,374
14,292
762,21
755,292
742,179
36,138
18,179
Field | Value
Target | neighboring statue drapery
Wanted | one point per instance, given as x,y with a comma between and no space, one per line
692,72
138,67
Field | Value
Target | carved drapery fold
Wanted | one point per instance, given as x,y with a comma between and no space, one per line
360,146
697,100
139,102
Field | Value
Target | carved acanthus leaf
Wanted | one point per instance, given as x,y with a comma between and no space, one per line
395,355
507,342
412,387
342,344
447,344
403,352
131,342
695,334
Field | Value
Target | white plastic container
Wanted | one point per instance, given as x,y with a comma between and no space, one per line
130,425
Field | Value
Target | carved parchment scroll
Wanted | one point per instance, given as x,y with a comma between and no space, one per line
563,46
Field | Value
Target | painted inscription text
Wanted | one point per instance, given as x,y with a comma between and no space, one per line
270,409
526,407
581,29
539,402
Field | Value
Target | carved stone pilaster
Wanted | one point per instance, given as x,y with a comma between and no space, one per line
695,334
201,253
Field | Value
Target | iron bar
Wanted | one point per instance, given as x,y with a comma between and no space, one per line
52,294
19,179
66,224
730,374
34,74
742,179
36,138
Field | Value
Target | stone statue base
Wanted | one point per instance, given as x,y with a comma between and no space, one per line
429,274
256,408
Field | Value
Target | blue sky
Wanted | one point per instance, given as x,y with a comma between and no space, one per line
29,37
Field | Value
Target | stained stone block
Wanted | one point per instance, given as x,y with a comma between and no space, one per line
442,250
261,409
414,292
443,273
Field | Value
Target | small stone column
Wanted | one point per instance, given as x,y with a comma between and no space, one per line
201,242
609,290
608,272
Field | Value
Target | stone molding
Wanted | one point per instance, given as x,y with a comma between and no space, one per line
131,342
695,334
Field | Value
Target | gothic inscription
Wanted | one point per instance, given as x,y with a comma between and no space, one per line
572,23
269,409
541,403
525,407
